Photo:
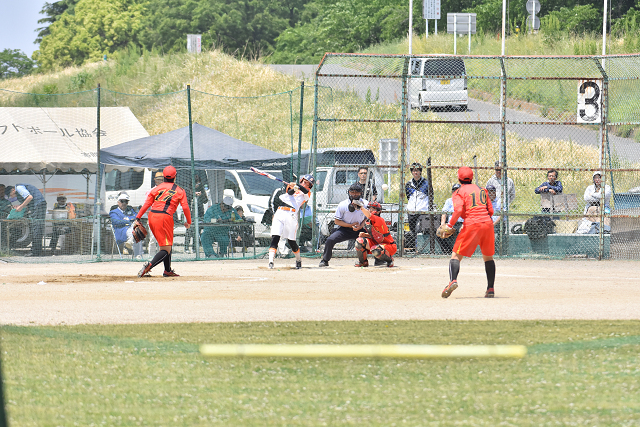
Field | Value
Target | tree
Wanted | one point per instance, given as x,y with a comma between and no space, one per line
97,27
14,63
53,12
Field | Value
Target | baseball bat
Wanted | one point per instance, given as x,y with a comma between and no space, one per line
268,175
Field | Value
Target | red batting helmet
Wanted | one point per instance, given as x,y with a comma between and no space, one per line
375,207
169,172
465,174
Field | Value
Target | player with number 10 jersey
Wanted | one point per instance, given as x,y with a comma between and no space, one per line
472,204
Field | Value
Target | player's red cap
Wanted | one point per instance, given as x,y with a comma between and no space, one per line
170,172
465,174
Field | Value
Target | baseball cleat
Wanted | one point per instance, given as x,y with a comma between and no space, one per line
390,263
170,274
362,264
379,262
324,263
298,265
489,293
146,268
270,265
449,289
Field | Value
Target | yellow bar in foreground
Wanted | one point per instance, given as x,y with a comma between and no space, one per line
400,350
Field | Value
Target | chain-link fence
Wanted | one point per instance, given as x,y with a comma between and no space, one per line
552,138
49,147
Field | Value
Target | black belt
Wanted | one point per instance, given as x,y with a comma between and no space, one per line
157,211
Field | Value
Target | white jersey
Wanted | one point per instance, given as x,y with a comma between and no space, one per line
285,220
296,200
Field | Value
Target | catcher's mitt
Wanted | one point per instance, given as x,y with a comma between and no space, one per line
445,231
139,232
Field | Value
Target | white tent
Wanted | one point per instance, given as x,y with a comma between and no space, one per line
61,139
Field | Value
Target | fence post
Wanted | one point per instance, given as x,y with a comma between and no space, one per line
3,415
315,237
300,127
98,180
504,239
196,237
403,151
604,143
432,230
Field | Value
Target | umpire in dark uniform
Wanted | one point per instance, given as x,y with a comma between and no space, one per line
33,201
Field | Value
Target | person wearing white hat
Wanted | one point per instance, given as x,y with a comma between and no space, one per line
594,195
218,214
122,218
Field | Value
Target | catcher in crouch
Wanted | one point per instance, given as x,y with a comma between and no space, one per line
163,200
285,219
472,204
376,240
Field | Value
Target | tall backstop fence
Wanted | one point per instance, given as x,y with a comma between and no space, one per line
513,120
552,138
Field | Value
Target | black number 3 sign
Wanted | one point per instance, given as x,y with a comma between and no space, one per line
589,101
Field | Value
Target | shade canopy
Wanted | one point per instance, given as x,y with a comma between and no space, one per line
212,150
34,139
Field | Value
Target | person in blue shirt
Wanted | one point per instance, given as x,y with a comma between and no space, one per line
33,203
122,218
551,185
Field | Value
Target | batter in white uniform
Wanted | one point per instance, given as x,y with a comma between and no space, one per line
285,219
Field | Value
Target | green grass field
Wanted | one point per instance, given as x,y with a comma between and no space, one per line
576,373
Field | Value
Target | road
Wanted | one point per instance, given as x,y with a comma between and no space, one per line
390,91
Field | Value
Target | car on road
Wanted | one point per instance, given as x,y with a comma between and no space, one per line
438,82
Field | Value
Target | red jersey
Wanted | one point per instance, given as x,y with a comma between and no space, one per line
379,228
164,198
472,204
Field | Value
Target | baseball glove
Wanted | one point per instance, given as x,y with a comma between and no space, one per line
445,231
139,232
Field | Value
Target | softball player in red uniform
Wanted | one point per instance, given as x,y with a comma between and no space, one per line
472,204
377,240
163,200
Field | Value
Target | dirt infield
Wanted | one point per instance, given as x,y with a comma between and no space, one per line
218,291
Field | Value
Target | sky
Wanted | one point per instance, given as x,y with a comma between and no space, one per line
18,21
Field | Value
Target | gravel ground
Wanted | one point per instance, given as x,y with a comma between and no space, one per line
238,291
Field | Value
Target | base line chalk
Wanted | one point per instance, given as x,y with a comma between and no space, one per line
399,351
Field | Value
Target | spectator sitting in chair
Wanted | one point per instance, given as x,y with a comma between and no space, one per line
34,206
447,244
222,213
58,228
593,195
550,186
122,218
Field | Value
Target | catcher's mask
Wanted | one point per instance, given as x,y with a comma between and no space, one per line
139,233
375,208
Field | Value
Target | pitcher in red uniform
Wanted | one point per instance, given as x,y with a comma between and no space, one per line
377,240
163,200
472,204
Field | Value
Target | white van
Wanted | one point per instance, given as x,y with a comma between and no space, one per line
438,82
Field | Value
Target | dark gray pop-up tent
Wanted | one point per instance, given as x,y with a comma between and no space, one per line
212,150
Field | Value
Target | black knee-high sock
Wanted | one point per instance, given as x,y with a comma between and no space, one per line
167,262
454,269
160,256
490,268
